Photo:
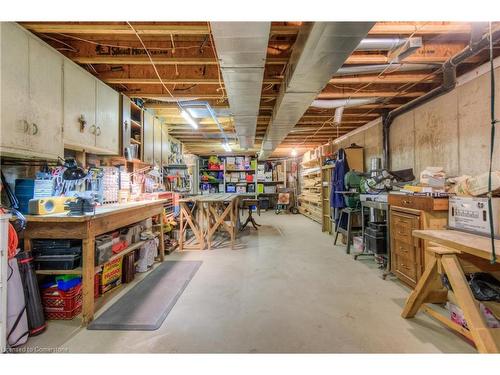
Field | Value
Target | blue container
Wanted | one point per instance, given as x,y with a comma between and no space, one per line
24,191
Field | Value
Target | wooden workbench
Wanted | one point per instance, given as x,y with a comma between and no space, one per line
208,213
87,227
455,253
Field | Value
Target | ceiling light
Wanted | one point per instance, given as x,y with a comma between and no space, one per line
226,147
294,152
189,119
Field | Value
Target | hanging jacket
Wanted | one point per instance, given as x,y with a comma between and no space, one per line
341,168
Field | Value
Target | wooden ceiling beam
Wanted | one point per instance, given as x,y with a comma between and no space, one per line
419,28
177,81
158,60
142,29
149,95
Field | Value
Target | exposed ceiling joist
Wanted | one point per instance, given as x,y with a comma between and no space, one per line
142,29
177,81
158,60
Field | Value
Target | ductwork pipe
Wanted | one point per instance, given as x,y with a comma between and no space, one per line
336,103
380,44
449,83
368,69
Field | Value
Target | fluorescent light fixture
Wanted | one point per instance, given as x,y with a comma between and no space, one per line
189,119
226,147
294,152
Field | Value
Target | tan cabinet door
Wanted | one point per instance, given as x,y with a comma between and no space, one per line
148,141
157,141
79,100
46,94
107,113
165,149
15,87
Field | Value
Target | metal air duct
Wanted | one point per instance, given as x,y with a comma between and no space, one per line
335,103
319,51
241,49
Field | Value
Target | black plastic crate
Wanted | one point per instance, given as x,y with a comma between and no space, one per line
58,262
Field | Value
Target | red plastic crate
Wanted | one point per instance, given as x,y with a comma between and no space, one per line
63,315
55,300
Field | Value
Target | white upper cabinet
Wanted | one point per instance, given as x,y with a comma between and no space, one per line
79,104
44,97
46,100
148,140
107,119
165,149
157,141
14,67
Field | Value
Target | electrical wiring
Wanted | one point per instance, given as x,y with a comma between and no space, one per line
154,66
125,47
492,147
70,47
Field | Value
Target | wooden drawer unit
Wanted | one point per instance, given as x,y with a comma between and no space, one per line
418,202
408,213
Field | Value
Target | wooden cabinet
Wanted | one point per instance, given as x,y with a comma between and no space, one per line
148,141
165,148
157,141
125,123
79,103
15,82
107,110
408,213
97,104
31,108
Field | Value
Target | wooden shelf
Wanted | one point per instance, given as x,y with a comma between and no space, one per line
135,124
135,141
241,170
76,271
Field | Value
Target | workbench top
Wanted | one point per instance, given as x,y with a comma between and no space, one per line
101,211
473,244
220,197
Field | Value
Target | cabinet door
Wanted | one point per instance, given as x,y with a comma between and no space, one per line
148,141
164,145
125,122
14,82
157,141
79,101
107,114
46,94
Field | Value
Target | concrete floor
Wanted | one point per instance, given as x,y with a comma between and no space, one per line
286,289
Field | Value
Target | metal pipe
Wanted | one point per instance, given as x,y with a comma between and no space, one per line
367,69
449,83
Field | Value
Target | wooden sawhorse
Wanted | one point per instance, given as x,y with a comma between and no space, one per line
429,289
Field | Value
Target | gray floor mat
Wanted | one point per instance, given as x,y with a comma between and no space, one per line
145,307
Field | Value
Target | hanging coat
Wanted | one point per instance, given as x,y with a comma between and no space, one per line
341,168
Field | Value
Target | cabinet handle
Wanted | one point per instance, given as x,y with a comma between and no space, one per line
401,248
26,126
404,266
98,130
35,129
92,129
